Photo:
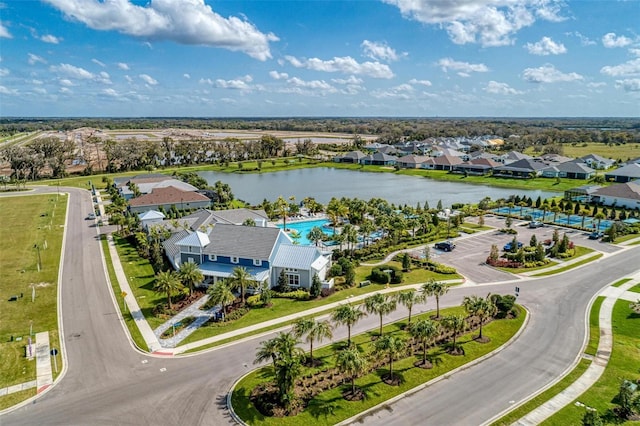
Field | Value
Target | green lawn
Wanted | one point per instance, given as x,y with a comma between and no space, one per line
24,222
568,267
616,152
330,408
635,289
619,283
594,327
623,364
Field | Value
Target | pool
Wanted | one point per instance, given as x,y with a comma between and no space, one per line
303,228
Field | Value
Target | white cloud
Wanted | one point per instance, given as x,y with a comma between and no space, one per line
39,90
421,82
189,22
72,71
596,85
187,76
129,79
546,46
34,59
4,72
278,75
351,80
48,38
206,81
380,51
631,67
6,91
148,79
123,66
403,91
313,84
4,32
111,92
240,83
464,67
610,40
65,90
549,74
488,22
97,62
346,65
629,85
37,82
103,77
501,89
66,82
584,40
634,52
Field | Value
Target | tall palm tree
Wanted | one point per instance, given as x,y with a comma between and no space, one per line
288,366
456,324
351,362
408,299
316,331
347,315
366,229
391,346
555,210
222,295
380,305
437,289
315,235
190,275
479,307
599,216
424,331
240,279
167,283
282,207
268,350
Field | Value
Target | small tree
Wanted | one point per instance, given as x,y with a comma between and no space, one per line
481,308
350,362
533,241
406,262
455,324
380,305
265,294
408,299
347,315
592,418
424,331
494,255
190,275
221,294
168,283
508,222
391,346
316,286
437,289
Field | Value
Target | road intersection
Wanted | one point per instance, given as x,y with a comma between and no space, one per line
107,381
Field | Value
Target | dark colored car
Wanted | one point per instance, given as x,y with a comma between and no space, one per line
445,246
596,235
507,247
535,224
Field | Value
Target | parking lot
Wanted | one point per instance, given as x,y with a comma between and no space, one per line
471,251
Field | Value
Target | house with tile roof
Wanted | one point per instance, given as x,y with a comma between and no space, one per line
478,166
624,174
597,162
570,170
353,157
625,195
411,161
166,198
442,162
524,168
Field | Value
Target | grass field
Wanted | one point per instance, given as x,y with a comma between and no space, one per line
568,267
616,152
623,364
330,408
24,222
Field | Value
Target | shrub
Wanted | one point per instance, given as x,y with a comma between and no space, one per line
254,300
378,275
296,295
336,270
505,304
326,292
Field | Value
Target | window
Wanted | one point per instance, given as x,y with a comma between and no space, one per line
234,259
213,257
294,280
190,259
257,262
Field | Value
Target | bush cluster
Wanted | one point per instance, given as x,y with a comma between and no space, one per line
295,295
379,276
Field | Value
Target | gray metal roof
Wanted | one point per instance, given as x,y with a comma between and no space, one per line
170,246
293,256
630,170
238,216
247,242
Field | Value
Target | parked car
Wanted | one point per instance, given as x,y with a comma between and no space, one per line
535,224
91,216
445,245
507,247
595,235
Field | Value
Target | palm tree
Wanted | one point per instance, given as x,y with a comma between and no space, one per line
268,350
424,331
288,366
222,295
584,213
282,206
240,279
350,362
366,228
456,324
437,289
347,315
555,210
599,216
408,299
380,305
315,235
190,275
315,331
390,346
479,307
168,283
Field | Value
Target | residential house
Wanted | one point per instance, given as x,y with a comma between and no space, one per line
411,161
151,218
625,195
147,183
569,170
443,162
378,159
477,166
350,157
512,157
624,174
524,168
597,162
582,193
166,198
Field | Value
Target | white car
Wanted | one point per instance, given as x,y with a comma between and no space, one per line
91,216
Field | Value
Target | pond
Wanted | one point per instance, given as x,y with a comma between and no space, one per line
322,183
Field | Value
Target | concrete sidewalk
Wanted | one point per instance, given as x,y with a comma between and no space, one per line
597,367
132,304
44,375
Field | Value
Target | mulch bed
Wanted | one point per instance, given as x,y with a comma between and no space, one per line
391,379
426,365
358,395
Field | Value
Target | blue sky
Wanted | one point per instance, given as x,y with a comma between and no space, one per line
320,58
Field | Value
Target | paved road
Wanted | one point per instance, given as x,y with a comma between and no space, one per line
107,382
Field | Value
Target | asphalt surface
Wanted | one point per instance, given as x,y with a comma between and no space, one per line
108,382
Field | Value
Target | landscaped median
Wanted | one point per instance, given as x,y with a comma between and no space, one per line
329,384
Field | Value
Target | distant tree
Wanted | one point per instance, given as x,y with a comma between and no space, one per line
408,299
